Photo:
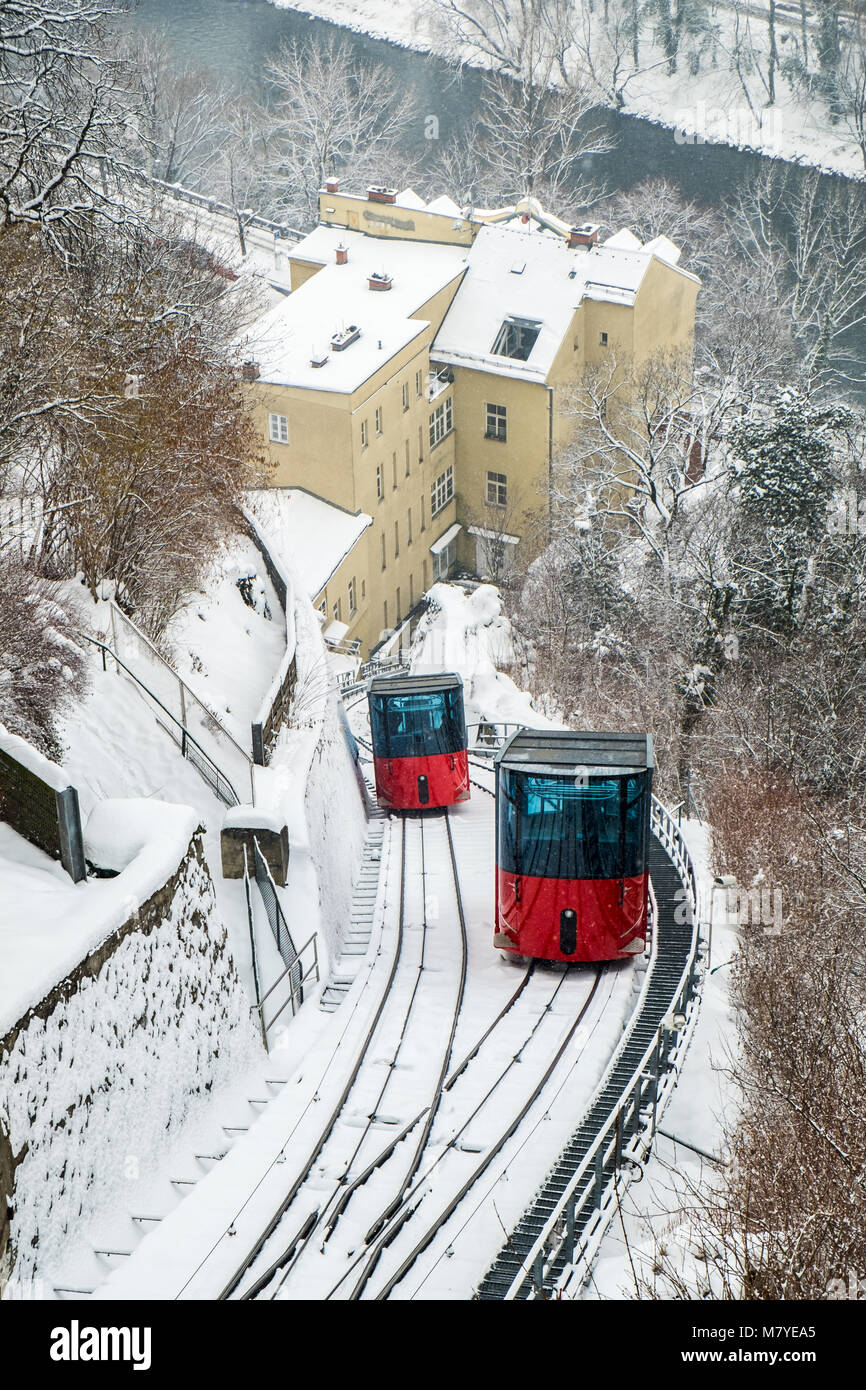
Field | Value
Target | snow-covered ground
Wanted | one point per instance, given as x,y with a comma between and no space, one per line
237,1155
708,107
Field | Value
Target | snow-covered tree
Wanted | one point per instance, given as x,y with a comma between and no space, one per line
60,113
333,115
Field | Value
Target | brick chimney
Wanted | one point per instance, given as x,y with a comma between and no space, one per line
377,194
586,235
332,185
250,371
380,280
342,255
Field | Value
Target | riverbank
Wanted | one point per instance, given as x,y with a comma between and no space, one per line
708,108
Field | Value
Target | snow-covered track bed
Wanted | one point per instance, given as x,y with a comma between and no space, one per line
421,1002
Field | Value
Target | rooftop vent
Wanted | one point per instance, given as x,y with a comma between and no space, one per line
250,371
342,254
345,337
380,280
585,235
318,359
332,185
377,193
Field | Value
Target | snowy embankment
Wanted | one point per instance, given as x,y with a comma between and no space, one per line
467,632
708,107
140,1002
170,989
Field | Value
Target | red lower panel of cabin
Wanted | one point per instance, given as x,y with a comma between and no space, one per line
401,784
599,923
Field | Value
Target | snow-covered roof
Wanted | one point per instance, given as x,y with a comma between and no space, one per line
516,273
294,332
624,240
315,535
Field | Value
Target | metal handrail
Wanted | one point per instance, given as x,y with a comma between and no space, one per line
180,680
553,1239
186,736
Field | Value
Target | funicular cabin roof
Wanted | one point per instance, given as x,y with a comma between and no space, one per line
415,685
559,752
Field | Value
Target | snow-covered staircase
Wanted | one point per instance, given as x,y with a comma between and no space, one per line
357,939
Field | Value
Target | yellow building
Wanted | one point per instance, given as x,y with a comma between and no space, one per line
416,375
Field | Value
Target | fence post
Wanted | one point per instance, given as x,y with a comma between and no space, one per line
569,1229
182,717
69,830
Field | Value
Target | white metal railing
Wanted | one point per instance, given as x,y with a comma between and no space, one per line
189,710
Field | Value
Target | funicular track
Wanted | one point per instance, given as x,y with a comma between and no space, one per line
561,1228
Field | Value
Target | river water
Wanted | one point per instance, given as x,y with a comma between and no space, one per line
234,38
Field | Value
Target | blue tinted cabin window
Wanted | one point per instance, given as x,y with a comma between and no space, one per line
417,726
551,827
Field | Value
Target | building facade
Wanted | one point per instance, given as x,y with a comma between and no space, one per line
418,373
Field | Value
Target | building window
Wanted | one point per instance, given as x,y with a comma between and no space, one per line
380,484
278,429
337,611
363,434
396,539
405,395
407,458
352,604
495,422
424,574
418,384
398,608
385,613
443,563
363,589
516,338
602,338
442,491
420,444
323,607
411,592
441,422
423,522
378,419
384,561
497,489
394,468
409,526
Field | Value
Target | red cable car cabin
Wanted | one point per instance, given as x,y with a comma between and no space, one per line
572,840
419,741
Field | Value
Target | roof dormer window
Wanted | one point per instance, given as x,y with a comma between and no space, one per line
516,338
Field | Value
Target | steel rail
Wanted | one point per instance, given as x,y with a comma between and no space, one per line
457,1073
446,1213
325,1132
291,1257
320,1213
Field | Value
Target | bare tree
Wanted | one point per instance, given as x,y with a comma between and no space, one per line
42,664
60,113
333,115
179,116
811,235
